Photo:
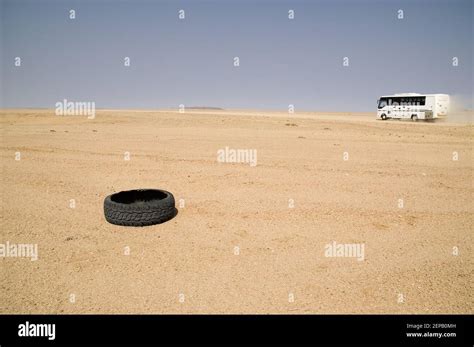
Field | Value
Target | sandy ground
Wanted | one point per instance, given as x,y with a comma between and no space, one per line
281,250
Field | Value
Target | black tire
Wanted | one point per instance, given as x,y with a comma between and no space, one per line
414,118
383,116
139,207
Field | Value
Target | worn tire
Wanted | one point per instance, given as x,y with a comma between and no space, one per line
139,207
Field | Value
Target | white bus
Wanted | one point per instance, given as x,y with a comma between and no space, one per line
413,106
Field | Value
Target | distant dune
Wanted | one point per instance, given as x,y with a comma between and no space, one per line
205,108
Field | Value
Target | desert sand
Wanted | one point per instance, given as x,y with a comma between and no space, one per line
248,239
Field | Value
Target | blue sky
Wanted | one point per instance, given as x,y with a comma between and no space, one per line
190,61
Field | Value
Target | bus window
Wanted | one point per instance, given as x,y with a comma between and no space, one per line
382,102
422,101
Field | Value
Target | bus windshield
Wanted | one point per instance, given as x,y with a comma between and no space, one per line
382,102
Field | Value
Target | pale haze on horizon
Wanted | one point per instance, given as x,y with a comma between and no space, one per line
190,61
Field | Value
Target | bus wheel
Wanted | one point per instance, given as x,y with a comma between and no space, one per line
414,117
383,116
